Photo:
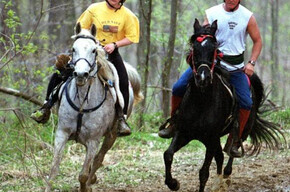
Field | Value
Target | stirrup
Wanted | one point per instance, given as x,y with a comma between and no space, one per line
168,132
229,146
41,115
166,124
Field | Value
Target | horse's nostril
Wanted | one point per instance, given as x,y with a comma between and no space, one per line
75,74
86,74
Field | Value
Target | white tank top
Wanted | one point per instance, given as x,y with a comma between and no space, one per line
232,30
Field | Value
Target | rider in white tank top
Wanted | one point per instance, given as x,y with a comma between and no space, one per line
230,42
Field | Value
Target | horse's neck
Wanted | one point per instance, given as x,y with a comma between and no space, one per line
208,95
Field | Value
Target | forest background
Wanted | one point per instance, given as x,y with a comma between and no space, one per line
34,32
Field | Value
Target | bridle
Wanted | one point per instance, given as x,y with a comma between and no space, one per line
92,65
203,63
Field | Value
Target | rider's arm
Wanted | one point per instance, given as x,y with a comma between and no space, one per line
254,33
121,43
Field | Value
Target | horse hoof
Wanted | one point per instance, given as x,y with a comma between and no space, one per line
228,182
227,172
173,185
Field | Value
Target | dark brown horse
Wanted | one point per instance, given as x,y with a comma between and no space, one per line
206,107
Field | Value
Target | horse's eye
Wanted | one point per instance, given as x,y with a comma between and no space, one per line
72,50
94,51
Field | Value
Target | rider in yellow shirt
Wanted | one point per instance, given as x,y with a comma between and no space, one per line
117,26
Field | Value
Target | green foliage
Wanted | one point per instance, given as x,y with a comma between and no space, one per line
12,21
282,117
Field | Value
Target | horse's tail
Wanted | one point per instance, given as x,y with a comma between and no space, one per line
263,131
135,81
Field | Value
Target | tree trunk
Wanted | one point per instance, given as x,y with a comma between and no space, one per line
143,51
264,24
169,59
60,27
274,48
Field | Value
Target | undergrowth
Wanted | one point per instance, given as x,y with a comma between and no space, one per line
26,155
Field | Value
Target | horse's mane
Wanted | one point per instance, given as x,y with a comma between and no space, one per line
104,71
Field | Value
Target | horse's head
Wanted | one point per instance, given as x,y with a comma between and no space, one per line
84,53
204,47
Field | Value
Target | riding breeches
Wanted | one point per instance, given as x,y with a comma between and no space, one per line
55,80
117,60
238,80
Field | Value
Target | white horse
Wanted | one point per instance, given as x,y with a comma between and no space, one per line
87,106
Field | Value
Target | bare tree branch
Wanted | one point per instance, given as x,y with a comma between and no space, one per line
17,93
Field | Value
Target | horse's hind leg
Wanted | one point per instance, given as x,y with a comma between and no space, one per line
59,143
177,143
108,142
91,148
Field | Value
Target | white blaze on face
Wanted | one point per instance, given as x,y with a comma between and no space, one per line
203,43
202,76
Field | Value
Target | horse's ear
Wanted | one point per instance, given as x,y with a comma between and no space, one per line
93,30
213,27
78,28
196,26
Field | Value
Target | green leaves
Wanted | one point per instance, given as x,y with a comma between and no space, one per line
12,21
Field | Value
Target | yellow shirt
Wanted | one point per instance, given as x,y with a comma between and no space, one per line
111,26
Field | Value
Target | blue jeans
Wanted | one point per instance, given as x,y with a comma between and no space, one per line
238,80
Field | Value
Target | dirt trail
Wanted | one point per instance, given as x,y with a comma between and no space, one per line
265,173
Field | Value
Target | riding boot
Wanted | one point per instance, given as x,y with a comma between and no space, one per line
42,115
123,127
244,116
166,130
64,72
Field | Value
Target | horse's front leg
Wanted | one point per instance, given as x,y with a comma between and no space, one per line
219,158
204,171
61,138
108,142
91,148
228,171
228,168
176,144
